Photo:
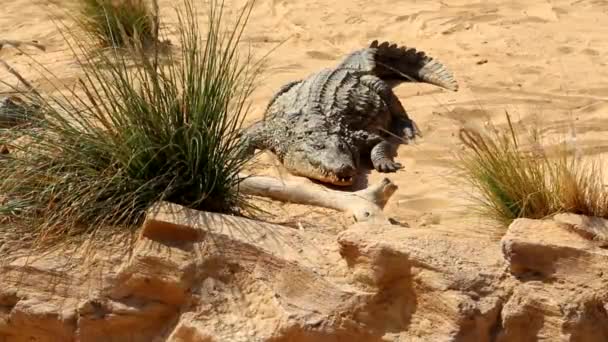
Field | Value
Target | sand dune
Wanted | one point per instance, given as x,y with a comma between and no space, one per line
538,59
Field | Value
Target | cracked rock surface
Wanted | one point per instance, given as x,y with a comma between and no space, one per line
195,276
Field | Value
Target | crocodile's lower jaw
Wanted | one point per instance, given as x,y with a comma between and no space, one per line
329,178
337,181
307,170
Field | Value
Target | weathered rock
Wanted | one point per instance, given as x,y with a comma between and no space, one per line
446,287
555,312
230,278
244,268
553,251
564,286
528,315
592,228
195,276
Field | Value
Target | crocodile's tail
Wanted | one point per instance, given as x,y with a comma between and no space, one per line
400,63
393,61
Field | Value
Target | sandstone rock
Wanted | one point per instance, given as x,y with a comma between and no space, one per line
195,276
592,228
564,288
551,250
245,268
446,287
229,278
528,315
555,312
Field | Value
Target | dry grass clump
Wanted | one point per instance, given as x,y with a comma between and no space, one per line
129,136
120,23
514,182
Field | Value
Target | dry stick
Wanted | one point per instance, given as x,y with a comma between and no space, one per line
17,43
19,77
365,205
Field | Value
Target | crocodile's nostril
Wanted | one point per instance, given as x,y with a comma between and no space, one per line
345,170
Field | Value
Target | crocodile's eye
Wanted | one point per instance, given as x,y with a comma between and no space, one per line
343,147
318,146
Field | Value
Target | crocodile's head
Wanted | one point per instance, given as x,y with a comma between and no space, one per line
326,158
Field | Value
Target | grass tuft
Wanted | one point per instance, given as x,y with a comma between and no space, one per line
119,23
129,136
512,181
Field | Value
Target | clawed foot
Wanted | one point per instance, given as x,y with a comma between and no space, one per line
409,131
412,131
409,134
387,165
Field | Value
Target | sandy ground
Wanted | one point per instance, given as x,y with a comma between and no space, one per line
537,59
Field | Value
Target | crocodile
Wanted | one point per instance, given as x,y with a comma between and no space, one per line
321,125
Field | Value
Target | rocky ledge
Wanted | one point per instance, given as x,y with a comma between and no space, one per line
196,276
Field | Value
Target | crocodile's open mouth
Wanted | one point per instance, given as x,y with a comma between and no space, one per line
322,175
328,165
330,177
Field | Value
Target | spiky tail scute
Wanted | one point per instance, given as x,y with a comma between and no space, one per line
400,61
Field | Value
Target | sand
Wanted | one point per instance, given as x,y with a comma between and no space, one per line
542,61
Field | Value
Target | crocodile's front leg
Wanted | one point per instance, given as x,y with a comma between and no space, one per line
380,150
381,156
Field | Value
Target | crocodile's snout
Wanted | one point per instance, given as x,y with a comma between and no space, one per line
330,161
345,170
345,173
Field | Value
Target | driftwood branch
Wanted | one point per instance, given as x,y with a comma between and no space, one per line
365,205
